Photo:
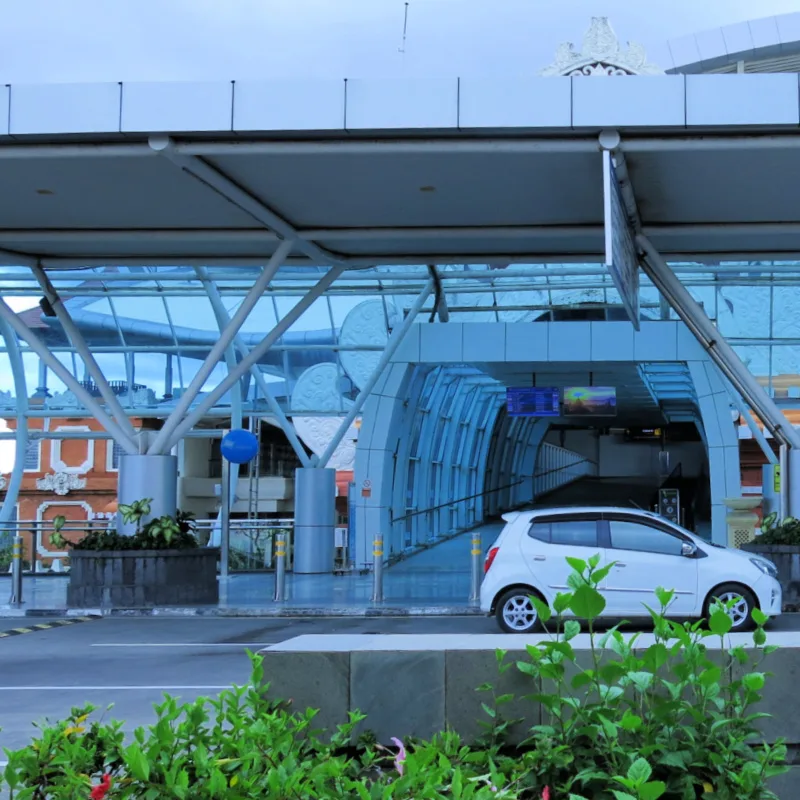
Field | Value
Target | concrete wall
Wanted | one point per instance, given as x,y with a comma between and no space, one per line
618,458
419,685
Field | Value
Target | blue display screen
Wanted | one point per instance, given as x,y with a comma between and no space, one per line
533,402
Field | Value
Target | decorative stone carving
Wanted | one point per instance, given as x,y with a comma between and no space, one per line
317,390
64,400
601,55
3,482
7,400
139,398
366,325
61,483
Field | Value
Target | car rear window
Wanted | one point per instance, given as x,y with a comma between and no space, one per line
540,531
574,532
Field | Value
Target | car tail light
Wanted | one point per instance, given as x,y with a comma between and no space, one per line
490,557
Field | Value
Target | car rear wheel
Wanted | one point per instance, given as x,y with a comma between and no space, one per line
516,613
740,603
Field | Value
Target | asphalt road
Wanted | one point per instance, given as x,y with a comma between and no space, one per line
131,662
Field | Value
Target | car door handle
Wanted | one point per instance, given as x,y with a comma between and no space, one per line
540,558
620,565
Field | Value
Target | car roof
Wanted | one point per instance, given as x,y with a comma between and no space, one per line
570,510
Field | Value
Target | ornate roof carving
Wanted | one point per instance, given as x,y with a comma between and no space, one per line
601,54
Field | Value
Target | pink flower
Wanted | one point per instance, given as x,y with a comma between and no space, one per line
400,757
546,793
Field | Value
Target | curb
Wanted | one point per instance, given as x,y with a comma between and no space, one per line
266,612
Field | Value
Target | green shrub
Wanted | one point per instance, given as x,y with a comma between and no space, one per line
786,532
671,720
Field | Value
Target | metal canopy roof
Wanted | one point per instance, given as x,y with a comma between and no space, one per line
413,185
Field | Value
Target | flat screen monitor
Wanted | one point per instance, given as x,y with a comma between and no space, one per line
533,402
590,401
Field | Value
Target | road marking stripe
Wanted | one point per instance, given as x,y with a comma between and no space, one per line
44,626
111,688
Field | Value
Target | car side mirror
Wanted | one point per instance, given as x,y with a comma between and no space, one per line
688,550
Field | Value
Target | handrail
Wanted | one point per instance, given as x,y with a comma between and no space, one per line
566,466
460,500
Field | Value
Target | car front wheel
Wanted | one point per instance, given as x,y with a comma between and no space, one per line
739,603
516,613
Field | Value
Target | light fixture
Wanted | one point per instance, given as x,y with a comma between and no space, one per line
427,189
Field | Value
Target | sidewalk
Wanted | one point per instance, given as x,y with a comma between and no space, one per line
432,582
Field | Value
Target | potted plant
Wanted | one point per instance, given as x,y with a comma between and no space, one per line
161,564
779,542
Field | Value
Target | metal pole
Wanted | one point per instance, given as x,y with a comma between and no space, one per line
165,439
83,350
280,567
225,520
715,345
377,569
208,401
89,402
784,492
391,346
20,435
475,561
16,574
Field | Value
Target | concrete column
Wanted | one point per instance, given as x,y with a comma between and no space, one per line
794,482
314,520
144,476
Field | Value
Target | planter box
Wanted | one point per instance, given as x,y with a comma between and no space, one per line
143,578
787,559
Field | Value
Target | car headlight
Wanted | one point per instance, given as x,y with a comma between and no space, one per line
765,566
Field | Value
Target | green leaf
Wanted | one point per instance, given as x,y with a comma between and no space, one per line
622,795
138,764
587,603
759,617
577,564
599,575
630,722
754,681
542,609
664,596
759,637
652,790
571,629
719,623
639,772
561,602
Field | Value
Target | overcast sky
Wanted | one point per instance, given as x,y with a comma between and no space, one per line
100,40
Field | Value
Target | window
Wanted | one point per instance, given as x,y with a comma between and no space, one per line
643,538
115,451
32,456
540,531
574,532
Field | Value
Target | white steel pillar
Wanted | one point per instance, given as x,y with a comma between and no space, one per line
314,521
147,477
223,319
197,413
21,438
90,403
79,343
166,436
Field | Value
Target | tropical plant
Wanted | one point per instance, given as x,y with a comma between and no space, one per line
783,532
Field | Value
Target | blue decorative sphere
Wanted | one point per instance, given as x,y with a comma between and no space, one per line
239,446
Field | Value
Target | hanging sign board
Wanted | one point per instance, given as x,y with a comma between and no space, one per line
622,260
366,488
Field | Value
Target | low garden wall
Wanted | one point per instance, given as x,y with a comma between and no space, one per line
418,685
142,578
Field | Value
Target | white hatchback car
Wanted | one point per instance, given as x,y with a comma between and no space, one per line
529,557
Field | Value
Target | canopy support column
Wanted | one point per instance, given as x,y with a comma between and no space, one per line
391,348
21,437
79,343
223,319
165,438
252,358
89,402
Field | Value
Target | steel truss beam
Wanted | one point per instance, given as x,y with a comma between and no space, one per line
208,402
83,350
224,320
218,350
21,434
67,378
247,201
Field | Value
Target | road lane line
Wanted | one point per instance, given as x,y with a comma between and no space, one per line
112,688
186,644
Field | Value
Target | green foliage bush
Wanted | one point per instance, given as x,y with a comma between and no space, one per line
786,532
670,720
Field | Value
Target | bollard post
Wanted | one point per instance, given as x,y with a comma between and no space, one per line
280,567
377,569
475,562
16,574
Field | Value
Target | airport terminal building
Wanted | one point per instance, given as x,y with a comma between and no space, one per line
466,295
